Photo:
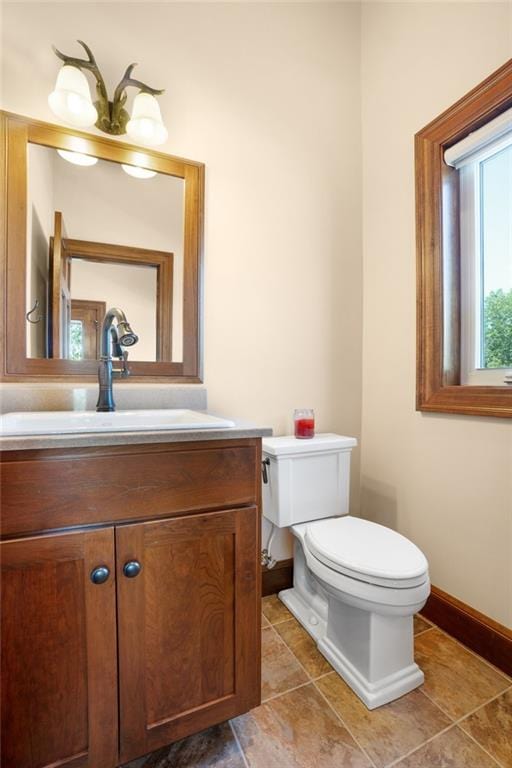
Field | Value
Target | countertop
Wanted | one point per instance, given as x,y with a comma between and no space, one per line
91,439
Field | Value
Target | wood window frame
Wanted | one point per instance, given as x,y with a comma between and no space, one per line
162,261
16,132
80,309
438,387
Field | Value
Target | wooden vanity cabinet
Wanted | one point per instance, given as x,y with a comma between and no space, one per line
59,655
187,630
168,641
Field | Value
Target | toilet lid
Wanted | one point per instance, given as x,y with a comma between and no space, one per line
367,551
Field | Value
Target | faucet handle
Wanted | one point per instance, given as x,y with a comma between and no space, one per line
124,371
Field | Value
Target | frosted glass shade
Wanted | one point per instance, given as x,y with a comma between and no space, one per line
71,99
146,125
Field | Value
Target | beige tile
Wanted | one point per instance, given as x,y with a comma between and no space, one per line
452,749
454,678
388,732
303,647
297,730
280,670
421,624
491,726
274,610
264,621
213,748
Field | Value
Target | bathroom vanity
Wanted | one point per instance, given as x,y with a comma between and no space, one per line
131,560
131,593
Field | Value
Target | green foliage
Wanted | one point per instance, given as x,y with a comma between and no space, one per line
498,329
76,343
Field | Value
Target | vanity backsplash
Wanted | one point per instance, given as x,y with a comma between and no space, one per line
82,397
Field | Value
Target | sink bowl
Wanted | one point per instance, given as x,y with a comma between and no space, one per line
77,422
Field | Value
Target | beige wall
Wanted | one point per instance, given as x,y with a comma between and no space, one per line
268,96
444,481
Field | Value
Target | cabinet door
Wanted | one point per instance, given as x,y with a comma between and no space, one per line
59,674
189,625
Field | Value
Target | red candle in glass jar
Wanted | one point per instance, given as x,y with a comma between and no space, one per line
304,419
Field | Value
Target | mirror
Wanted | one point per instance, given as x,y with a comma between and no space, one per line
97,238
94,223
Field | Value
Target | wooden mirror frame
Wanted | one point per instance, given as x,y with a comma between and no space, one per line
16,133
438,386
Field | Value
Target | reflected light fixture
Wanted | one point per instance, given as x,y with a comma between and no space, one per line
137,166
137,172
71,101
77,158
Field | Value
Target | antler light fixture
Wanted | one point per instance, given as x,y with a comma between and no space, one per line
71,101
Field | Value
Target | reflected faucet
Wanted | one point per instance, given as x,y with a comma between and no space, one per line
113,339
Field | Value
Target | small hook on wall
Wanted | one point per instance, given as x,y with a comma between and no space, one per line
30,312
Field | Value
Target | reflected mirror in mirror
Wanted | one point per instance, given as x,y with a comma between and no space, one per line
100,237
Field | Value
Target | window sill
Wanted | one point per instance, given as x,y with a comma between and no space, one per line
488,377
469,400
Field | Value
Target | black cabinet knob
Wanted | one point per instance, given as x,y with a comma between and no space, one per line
100,575
132,568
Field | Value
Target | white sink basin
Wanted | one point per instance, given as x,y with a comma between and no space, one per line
77,422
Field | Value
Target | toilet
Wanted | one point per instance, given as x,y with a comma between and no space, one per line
356,584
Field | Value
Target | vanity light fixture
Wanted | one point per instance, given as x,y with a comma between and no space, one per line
71,101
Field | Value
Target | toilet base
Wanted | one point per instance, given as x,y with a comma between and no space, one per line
372,649
375,644
312,622
372,694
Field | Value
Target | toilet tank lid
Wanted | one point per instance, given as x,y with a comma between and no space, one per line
289,445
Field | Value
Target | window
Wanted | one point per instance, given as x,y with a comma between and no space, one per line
76,340
464,259
484,163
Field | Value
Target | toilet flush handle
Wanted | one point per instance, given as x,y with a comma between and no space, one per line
264,471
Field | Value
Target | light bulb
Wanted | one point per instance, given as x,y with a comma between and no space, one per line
77,158
71,99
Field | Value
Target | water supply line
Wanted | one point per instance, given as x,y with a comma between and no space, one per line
266,554
267,561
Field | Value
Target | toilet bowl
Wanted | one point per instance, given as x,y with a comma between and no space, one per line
357,584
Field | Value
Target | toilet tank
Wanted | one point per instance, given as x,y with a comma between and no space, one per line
306,479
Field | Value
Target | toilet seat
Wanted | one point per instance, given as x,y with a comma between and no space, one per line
367,552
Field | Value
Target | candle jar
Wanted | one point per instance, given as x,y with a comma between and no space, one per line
304,420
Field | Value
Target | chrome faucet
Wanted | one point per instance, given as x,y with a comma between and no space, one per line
113,338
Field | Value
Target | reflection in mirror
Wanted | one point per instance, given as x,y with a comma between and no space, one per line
99,237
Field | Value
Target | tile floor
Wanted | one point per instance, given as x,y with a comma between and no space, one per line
460,718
